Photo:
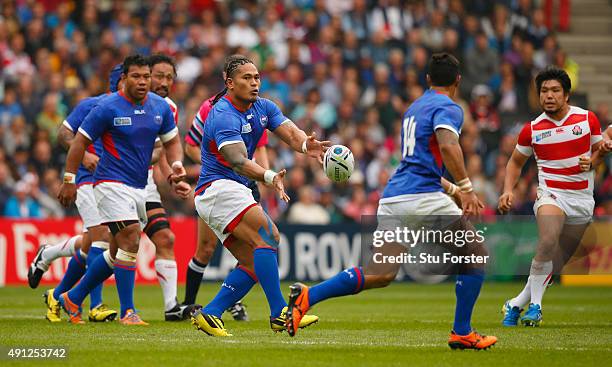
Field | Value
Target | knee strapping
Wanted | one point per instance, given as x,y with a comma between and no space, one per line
156,223
125,258
109,260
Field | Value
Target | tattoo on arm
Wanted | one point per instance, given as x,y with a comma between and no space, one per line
446,137
65,137
235,155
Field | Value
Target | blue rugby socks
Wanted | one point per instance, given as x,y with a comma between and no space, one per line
237,284
349,281
467,289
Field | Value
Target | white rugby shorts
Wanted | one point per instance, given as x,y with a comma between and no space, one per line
87,206
578,209
118,202
151,189
222,203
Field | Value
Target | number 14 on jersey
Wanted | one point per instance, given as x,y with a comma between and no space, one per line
409,130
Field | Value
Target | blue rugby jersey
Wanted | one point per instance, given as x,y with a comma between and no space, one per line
421,167
73,121
226,124
128,132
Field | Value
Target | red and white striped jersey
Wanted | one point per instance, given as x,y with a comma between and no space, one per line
174,109
558,145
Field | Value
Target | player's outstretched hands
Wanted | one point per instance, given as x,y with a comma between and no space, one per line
182,189
90,161
606,146
585,163
278,185
505,202
470,203
315,148
67,194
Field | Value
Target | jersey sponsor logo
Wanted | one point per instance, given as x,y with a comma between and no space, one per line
560,130
250,116
542,136
577,130
122,121
246,128
139,112
158,119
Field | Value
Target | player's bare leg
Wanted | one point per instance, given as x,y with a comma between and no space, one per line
550,220
158,230
47,254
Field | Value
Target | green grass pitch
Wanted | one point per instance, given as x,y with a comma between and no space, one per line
402,325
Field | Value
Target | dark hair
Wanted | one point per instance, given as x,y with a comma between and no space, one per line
443,69
229,67
162,59
136,59
233,62
553,73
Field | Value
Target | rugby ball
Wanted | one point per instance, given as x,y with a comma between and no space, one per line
338,163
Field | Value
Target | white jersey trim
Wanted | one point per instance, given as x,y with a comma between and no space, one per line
447,127
85,133
67,125
528,151
229,142
169,135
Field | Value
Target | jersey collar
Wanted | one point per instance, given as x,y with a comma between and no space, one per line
236,107
132,102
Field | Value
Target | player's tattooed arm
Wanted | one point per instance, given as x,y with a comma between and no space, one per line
157,149
452,156
236,155
451,152
67,194
297,139
65,137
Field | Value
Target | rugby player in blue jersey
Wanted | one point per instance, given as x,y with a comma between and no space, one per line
430,144
95,238
224,201
127,122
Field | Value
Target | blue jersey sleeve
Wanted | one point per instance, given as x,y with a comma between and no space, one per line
78,114
275,115
97,122
228,130
449,117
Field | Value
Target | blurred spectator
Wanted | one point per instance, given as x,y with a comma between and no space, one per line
51,116
306,210
6,185
486,117
603,115
481,64
17,135
570,66
9,108
21,204
240,34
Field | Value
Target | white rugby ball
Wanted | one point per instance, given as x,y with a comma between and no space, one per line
338,163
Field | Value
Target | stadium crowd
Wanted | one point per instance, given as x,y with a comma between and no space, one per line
346,69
